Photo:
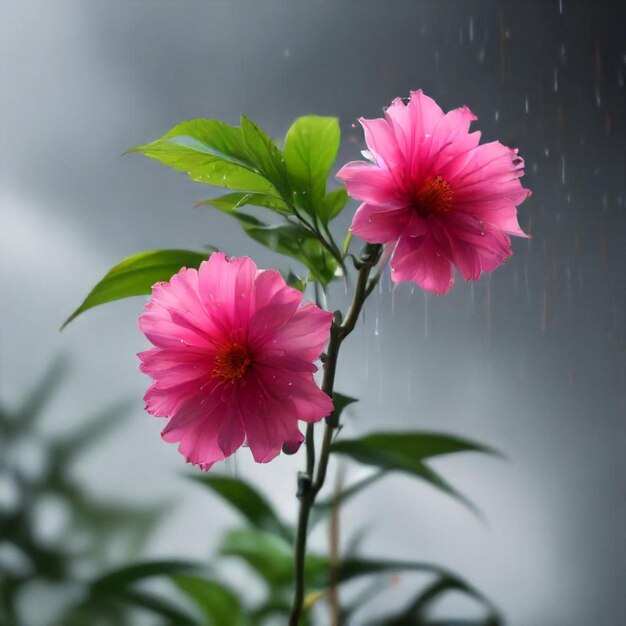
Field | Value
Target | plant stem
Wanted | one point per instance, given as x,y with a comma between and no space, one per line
333,549
308,490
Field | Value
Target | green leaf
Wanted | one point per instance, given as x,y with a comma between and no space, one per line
248,501
346,242
267,554
419,608
155,604
407,451
271,557
416,614
291,240
325,506
63,449
210,152
333,203
38,398
340,402
135,275
293,280
310,149
264,154
122,578
232,201
219,605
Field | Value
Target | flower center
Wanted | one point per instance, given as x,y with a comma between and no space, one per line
434,197
231,362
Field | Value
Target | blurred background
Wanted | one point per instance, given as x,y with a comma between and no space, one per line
531,360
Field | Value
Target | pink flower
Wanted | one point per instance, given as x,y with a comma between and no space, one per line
233,360
434,194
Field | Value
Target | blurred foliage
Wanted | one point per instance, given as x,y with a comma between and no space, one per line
205,600
51,529
82,548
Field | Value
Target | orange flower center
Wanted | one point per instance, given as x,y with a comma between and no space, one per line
231,362
434,197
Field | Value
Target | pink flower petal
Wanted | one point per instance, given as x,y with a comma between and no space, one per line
265,436
452,127
310,402
383,146
225,287
371,184
305,335
378,225
229,341
434,195
418,260
278,311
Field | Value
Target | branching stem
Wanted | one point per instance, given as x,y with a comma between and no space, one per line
309,488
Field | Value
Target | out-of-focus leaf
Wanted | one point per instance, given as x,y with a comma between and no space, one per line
271,558
407,451
356,567
173,615
340,402
417,612
211,152
31,408
310,149
267,554
346,242
135,275
66,447
219,605
122,578
232,201
248,501
272,607
293,280
292,240
333,203
325,506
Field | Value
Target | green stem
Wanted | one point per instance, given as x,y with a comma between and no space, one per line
314,230
308,488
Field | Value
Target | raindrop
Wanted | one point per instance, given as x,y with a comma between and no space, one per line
555,81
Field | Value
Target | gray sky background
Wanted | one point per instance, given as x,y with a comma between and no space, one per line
531,360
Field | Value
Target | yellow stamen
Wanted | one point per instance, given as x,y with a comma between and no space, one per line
231,363
434,197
